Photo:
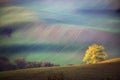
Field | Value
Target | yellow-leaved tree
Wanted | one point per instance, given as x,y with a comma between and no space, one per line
94,54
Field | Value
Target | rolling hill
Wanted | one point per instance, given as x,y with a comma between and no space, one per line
106,71
115,60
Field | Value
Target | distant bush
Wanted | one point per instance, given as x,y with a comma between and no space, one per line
48,64
33,64
5,64
21,63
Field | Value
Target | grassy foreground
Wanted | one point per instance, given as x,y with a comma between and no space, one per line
107,70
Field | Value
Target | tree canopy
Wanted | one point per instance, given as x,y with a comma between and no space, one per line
94,54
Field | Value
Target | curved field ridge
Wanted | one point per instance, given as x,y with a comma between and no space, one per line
106,71
111,60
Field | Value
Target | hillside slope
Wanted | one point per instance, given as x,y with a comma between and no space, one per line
104,71
115,60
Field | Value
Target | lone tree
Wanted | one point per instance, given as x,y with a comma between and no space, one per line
94,54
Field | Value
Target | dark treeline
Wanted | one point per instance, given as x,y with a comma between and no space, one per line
21,63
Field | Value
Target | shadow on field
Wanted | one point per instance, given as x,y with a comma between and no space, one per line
56,76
